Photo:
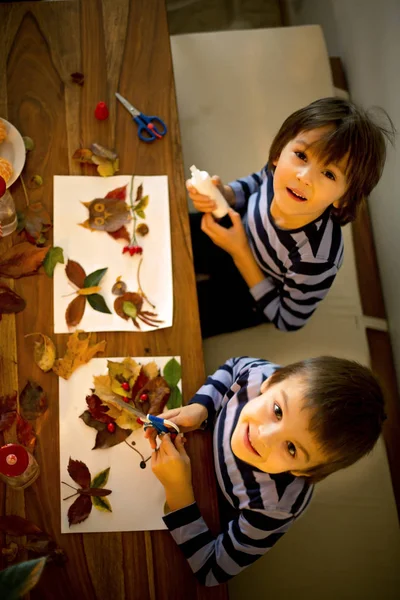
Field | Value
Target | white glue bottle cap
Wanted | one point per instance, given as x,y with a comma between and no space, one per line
201,180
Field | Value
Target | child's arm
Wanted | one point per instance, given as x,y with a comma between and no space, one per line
212,559
245,187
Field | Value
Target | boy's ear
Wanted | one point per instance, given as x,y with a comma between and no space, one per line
264,386
275,161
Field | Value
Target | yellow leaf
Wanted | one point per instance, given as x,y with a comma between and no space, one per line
90,290
44,353
84,155
151,370
106,169
101,503
79,352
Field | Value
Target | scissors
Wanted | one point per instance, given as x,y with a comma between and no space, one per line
159,424
150,128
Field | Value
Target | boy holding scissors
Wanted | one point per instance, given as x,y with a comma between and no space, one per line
276,432
285,244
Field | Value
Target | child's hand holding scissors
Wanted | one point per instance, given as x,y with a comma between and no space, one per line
188,418
171,465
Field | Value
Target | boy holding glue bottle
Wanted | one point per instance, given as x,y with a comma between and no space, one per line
284,247
276,432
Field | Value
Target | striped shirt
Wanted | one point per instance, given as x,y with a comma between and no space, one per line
300,264
264,506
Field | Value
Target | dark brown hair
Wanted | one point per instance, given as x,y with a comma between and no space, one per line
353,132
347,409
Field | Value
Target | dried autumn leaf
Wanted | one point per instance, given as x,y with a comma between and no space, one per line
120,234
97,409
75,311
84,155
79,472
158,393
108,169
18,526
55,255
10,302
79,510
102,504
35,221
22,260
142,204
25,434
105,439
117,193
44,353
32,401
103,152
10,552
140,382
8,407
108,214
75,273
91,422
100,480
79,352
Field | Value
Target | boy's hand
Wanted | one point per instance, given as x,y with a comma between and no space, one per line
171,465
204,203
187,418
232,240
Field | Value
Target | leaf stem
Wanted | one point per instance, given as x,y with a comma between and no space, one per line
140,290
71,486
133,238
71,496
24,188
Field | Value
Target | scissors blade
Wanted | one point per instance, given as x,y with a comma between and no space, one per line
129,107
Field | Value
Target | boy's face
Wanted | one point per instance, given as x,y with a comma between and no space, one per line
303,186
272,432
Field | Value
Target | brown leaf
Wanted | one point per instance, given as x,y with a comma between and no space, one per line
32,401
22,260
120,234
18,526
10,302
79,352
97,409
75,311
8,407
25,434
37,221
84,155
75,273
105,439
41,545
44,353
79,510
133,297
140,382
158,393
139,193
79,472
99,492
90,422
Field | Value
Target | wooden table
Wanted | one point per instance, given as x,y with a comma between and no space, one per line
118,45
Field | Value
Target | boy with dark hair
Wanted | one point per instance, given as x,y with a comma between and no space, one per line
276,431
285,242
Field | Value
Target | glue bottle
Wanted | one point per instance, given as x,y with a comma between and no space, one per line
201,180
18,468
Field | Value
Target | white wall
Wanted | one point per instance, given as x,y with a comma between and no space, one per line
366,35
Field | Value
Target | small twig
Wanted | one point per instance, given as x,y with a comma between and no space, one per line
140,287
71,486
71,496
132,448
25,192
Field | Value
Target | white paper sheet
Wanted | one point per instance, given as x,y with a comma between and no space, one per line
137,498
96,250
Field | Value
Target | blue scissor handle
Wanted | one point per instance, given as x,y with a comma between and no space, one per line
149,126
158,424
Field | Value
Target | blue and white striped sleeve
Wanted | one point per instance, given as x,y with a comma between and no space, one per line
212,393
289,305
215,560
244,188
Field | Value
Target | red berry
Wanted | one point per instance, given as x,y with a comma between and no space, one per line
111,427
139,250
143,397
101,111
125,250
125,386
125,399
132,250
139,420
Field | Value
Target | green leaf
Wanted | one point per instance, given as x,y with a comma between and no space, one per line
142,204
140,213
100,479
129,309
172,372
101,503
98,303
55,255
94,278
19,579
175,399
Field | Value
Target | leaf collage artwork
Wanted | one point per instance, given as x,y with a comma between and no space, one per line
117,227
99,408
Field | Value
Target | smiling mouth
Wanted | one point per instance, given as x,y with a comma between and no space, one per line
248,443
296,195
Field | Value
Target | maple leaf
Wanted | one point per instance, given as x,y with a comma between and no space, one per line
79,352
10,302
8,408
32,401
87,493
44,353
22,260
34,221
87,290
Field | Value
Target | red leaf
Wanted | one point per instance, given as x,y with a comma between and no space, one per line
32,401
75,273
79,472
10,302
98,410
7,419
79,510
17,526
140,382
8,403
119,193
120,234
25,434
22,260
75,310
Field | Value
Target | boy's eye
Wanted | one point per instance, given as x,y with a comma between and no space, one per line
301,155
278,411
291,449
330,175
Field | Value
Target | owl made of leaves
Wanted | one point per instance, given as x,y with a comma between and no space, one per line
106,214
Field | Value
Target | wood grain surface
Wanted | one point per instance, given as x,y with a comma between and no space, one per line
119,45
